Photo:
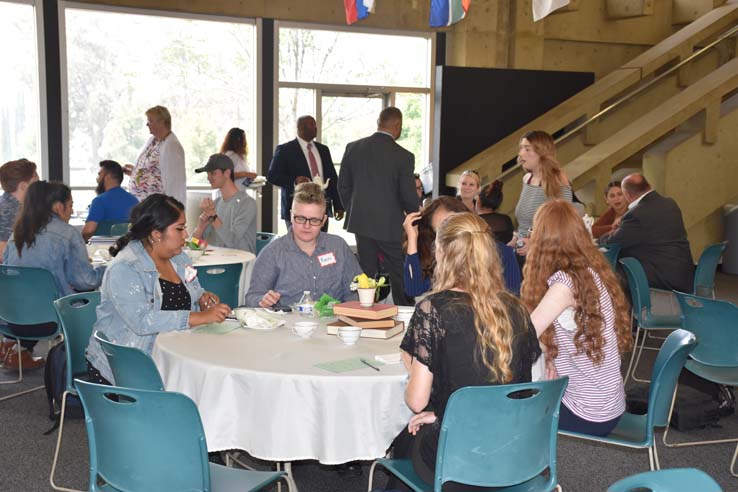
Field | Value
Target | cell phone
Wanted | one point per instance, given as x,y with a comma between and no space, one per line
283,309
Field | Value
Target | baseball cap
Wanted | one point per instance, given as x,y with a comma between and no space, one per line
216,161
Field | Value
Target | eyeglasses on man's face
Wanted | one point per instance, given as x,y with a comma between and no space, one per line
301,219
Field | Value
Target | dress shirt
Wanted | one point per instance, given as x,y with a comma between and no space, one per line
316,154
635,202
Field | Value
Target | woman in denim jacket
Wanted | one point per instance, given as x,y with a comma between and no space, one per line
42,238
151,285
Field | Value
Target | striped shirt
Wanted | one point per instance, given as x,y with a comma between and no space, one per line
530,199
595,392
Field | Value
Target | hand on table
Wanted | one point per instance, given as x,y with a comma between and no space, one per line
270,299
216,313
207,300
417,421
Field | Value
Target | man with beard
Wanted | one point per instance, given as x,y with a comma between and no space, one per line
113,203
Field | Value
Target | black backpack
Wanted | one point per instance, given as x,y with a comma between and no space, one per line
55,374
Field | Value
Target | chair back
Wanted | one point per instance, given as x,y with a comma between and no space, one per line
704,274
715,324
640,294
131,367
221,280
611,255
669,363
77,314
119,228
262,239
144,440
496,436
28,295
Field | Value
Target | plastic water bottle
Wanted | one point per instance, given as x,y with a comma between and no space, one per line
305,306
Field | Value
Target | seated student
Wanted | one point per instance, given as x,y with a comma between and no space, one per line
303,259
15,178
112,203
618,205
42,238
420,235
468,332
581,317
488,201
150,286
230,220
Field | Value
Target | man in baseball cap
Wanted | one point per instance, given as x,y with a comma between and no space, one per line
230,220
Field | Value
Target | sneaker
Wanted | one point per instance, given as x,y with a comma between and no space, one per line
28,360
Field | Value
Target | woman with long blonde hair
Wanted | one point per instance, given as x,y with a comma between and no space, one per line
544,180
468,332
581,316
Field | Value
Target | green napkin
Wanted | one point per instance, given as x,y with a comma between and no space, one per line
218,328
347,365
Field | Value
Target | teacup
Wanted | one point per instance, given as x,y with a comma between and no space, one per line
304,329
349,334
366,296
241,313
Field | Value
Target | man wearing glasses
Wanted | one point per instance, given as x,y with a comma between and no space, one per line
303,259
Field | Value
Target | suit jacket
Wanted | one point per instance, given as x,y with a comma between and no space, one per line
289,162
653,232
377,187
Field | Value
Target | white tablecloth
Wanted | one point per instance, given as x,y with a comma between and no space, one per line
259,391
215,256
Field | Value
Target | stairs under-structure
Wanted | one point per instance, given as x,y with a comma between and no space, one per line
670,112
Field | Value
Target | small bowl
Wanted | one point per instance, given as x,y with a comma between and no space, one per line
194,254
349,335
304,329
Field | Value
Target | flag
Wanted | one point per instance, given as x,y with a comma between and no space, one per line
541,8
446,12
357,10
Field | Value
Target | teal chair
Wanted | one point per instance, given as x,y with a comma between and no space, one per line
494,436
643,312
262,239
687,479
27,298
704,274
715,324
636,431
143,440
611,255
119,228
222,280
77,317
131,367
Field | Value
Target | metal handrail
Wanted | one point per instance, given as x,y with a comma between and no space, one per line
638,90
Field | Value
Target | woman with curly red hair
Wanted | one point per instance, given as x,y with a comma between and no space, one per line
581,317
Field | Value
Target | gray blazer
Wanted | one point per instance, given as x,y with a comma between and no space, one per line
377,187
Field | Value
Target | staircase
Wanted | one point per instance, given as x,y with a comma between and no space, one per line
669,112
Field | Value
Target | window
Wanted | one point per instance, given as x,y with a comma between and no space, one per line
120,63
20,115
344,79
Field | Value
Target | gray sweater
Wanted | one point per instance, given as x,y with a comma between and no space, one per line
238,231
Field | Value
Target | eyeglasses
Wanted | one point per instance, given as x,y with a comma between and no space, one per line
301,219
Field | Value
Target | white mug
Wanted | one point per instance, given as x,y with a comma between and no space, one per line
304,329
349,334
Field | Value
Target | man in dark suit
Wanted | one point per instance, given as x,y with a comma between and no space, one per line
299,161
377,187
652,231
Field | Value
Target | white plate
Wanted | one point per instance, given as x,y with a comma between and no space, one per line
261,328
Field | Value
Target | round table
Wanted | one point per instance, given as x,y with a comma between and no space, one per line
215,256
259,391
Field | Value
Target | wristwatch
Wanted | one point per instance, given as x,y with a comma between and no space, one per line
211,218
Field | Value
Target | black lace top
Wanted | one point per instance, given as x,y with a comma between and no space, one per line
174,297
441,336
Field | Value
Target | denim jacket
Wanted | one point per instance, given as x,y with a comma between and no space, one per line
60,249
130,304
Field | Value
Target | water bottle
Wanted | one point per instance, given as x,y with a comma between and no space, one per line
305,306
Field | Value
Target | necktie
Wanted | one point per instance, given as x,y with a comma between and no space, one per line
313,163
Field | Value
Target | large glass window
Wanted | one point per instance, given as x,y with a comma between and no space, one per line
20,116
344,79
119,64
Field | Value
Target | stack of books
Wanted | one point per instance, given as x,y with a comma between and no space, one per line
375,321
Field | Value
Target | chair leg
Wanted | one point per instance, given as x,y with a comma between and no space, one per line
638,359
632,354
58,447
371,475
650,458
656,455
688,443
290,477
732,463
20,378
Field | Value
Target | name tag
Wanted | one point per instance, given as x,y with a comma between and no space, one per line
190,273
327,259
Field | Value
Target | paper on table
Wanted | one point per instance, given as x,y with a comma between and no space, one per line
217,328
345,365
393,358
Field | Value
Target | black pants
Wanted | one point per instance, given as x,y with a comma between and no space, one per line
38,330
394,259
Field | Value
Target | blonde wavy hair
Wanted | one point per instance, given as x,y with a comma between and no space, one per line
309,194
468,260
543,144
561,242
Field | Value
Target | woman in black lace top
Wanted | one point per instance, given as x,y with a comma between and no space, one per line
468,332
